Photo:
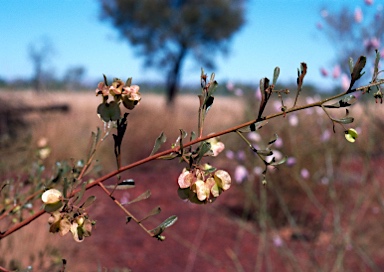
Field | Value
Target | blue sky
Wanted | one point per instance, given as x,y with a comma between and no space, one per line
278,33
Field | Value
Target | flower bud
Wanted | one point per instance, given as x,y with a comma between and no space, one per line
51,196
351,135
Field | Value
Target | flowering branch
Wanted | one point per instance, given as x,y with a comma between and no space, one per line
199,183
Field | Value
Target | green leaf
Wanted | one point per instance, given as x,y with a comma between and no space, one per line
193,136
344,120
166,224
204,148
276,74
159,141
49,208
109,111
88,202
143,196
212,88
95,137
128,82
79,195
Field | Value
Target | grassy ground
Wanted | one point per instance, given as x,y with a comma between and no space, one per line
324,213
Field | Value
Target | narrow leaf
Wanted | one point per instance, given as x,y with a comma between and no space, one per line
167,223
344,120
159,141
193,136
155,211
128,82
105,80
276,163
276,74
359,66
80,194
88,202
125,184
273,139
143,196
212,88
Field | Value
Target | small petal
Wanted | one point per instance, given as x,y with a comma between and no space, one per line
223,179
65,226
216,146
202,190
185,179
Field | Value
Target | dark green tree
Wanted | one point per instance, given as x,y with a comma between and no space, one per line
165,32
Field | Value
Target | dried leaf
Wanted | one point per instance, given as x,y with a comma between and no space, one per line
88,202
143,196
155,211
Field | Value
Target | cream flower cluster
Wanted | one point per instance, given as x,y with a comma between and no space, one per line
63,222
129,95
203,185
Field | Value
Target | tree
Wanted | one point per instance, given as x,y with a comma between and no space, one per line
40,53
165,32
73,77
352,31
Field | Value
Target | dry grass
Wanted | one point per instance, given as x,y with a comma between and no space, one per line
69,133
